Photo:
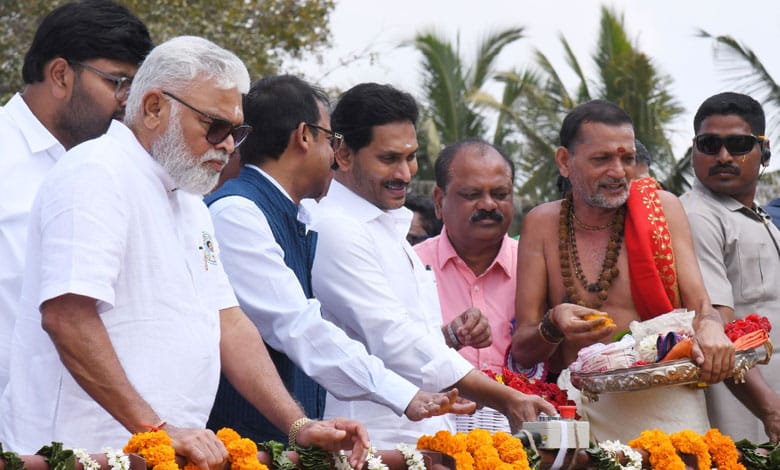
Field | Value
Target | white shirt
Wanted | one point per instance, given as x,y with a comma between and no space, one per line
28,152
270,294
109,224
373,285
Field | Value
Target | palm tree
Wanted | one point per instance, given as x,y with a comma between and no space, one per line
749,76
450,112
745,70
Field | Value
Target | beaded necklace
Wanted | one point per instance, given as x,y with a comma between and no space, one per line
567,246
592,228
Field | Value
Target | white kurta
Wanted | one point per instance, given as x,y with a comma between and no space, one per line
27,153
270,294
373,285
108,224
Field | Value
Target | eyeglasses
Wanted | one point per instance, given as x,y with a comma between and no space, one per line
334,137
219,129
122,83
710,144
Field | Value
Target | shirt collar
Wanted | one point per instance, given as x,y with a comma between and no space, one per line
305,215
271,179
447,254
121,132
38,138
730,203
365,211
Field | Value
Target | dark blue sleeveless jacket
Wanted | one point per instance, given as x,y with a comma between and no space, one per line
230,409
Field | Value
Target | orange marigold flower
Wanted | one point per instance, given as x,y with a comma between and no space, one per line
227,435
723,451
689,442
662,452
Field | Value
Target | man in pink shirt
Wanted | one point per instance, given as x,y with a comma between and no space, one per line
473,258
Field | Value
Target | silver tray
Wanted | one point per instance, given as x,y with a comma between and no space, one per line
679,372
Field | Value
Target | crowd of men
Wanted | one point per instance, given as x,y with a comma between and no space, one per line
291,305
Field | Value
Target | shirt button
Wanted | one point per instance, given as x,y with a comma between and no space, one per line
484,365
476,288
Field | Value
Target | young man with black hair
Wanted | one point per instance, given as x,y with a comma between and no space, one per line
77,72
737,248
373,285
268,252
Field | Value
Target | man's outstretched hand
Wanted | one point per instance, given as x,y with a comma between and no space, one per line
427,404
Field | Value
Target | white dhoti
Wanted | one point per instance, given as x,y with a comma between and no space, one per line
623,416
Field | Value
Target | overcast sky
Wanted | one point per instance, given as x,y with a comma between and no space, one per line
664,29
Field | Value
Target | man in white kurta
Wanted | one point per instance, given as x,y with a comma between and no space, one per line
50,116
109,224
370,281
128,314
373,285
29,151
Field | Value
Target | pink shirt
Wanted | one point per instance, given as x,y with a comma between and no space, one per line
493,293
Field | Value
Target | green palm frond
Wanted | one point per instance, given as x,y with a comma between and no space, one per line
745,71
487,52
583,93
443,83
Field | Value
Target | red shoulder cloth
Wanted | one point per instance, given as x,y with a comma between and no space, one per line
649,248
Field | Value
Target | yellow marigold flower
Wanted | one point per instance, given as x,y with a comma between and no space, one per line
463,461
167,466
227,435
724,452
662,452
689,442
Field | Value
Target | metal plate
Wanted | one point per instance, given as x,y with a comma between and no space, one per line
680,372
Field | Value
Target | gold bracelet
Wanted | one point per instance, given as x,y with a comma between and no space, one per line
295,428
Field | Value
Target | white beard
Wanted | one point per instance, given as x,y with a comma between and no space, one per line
187,171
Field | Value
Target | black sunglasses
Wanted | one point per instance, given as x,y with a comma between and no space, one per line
710,144
334,137
219,129
122,84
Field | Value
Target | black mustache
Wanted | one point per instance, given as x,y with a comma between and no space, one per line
482,215
724,169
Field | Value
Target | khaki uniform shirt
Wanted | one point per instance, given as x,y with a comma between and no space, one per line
740,262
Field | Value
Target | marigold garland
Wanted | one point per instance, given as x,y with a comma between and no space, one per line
662,452
689,442
155,448
242,452
724,452
478,450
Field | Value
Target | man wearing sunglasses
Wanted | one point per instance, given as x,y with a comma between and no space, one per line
130,317
737,248
77,73
268,252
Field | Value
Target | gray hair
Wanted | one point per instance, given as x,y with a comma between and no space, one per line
174,64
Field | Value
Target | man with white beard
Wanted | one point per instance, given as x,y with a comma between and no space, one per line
124,277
